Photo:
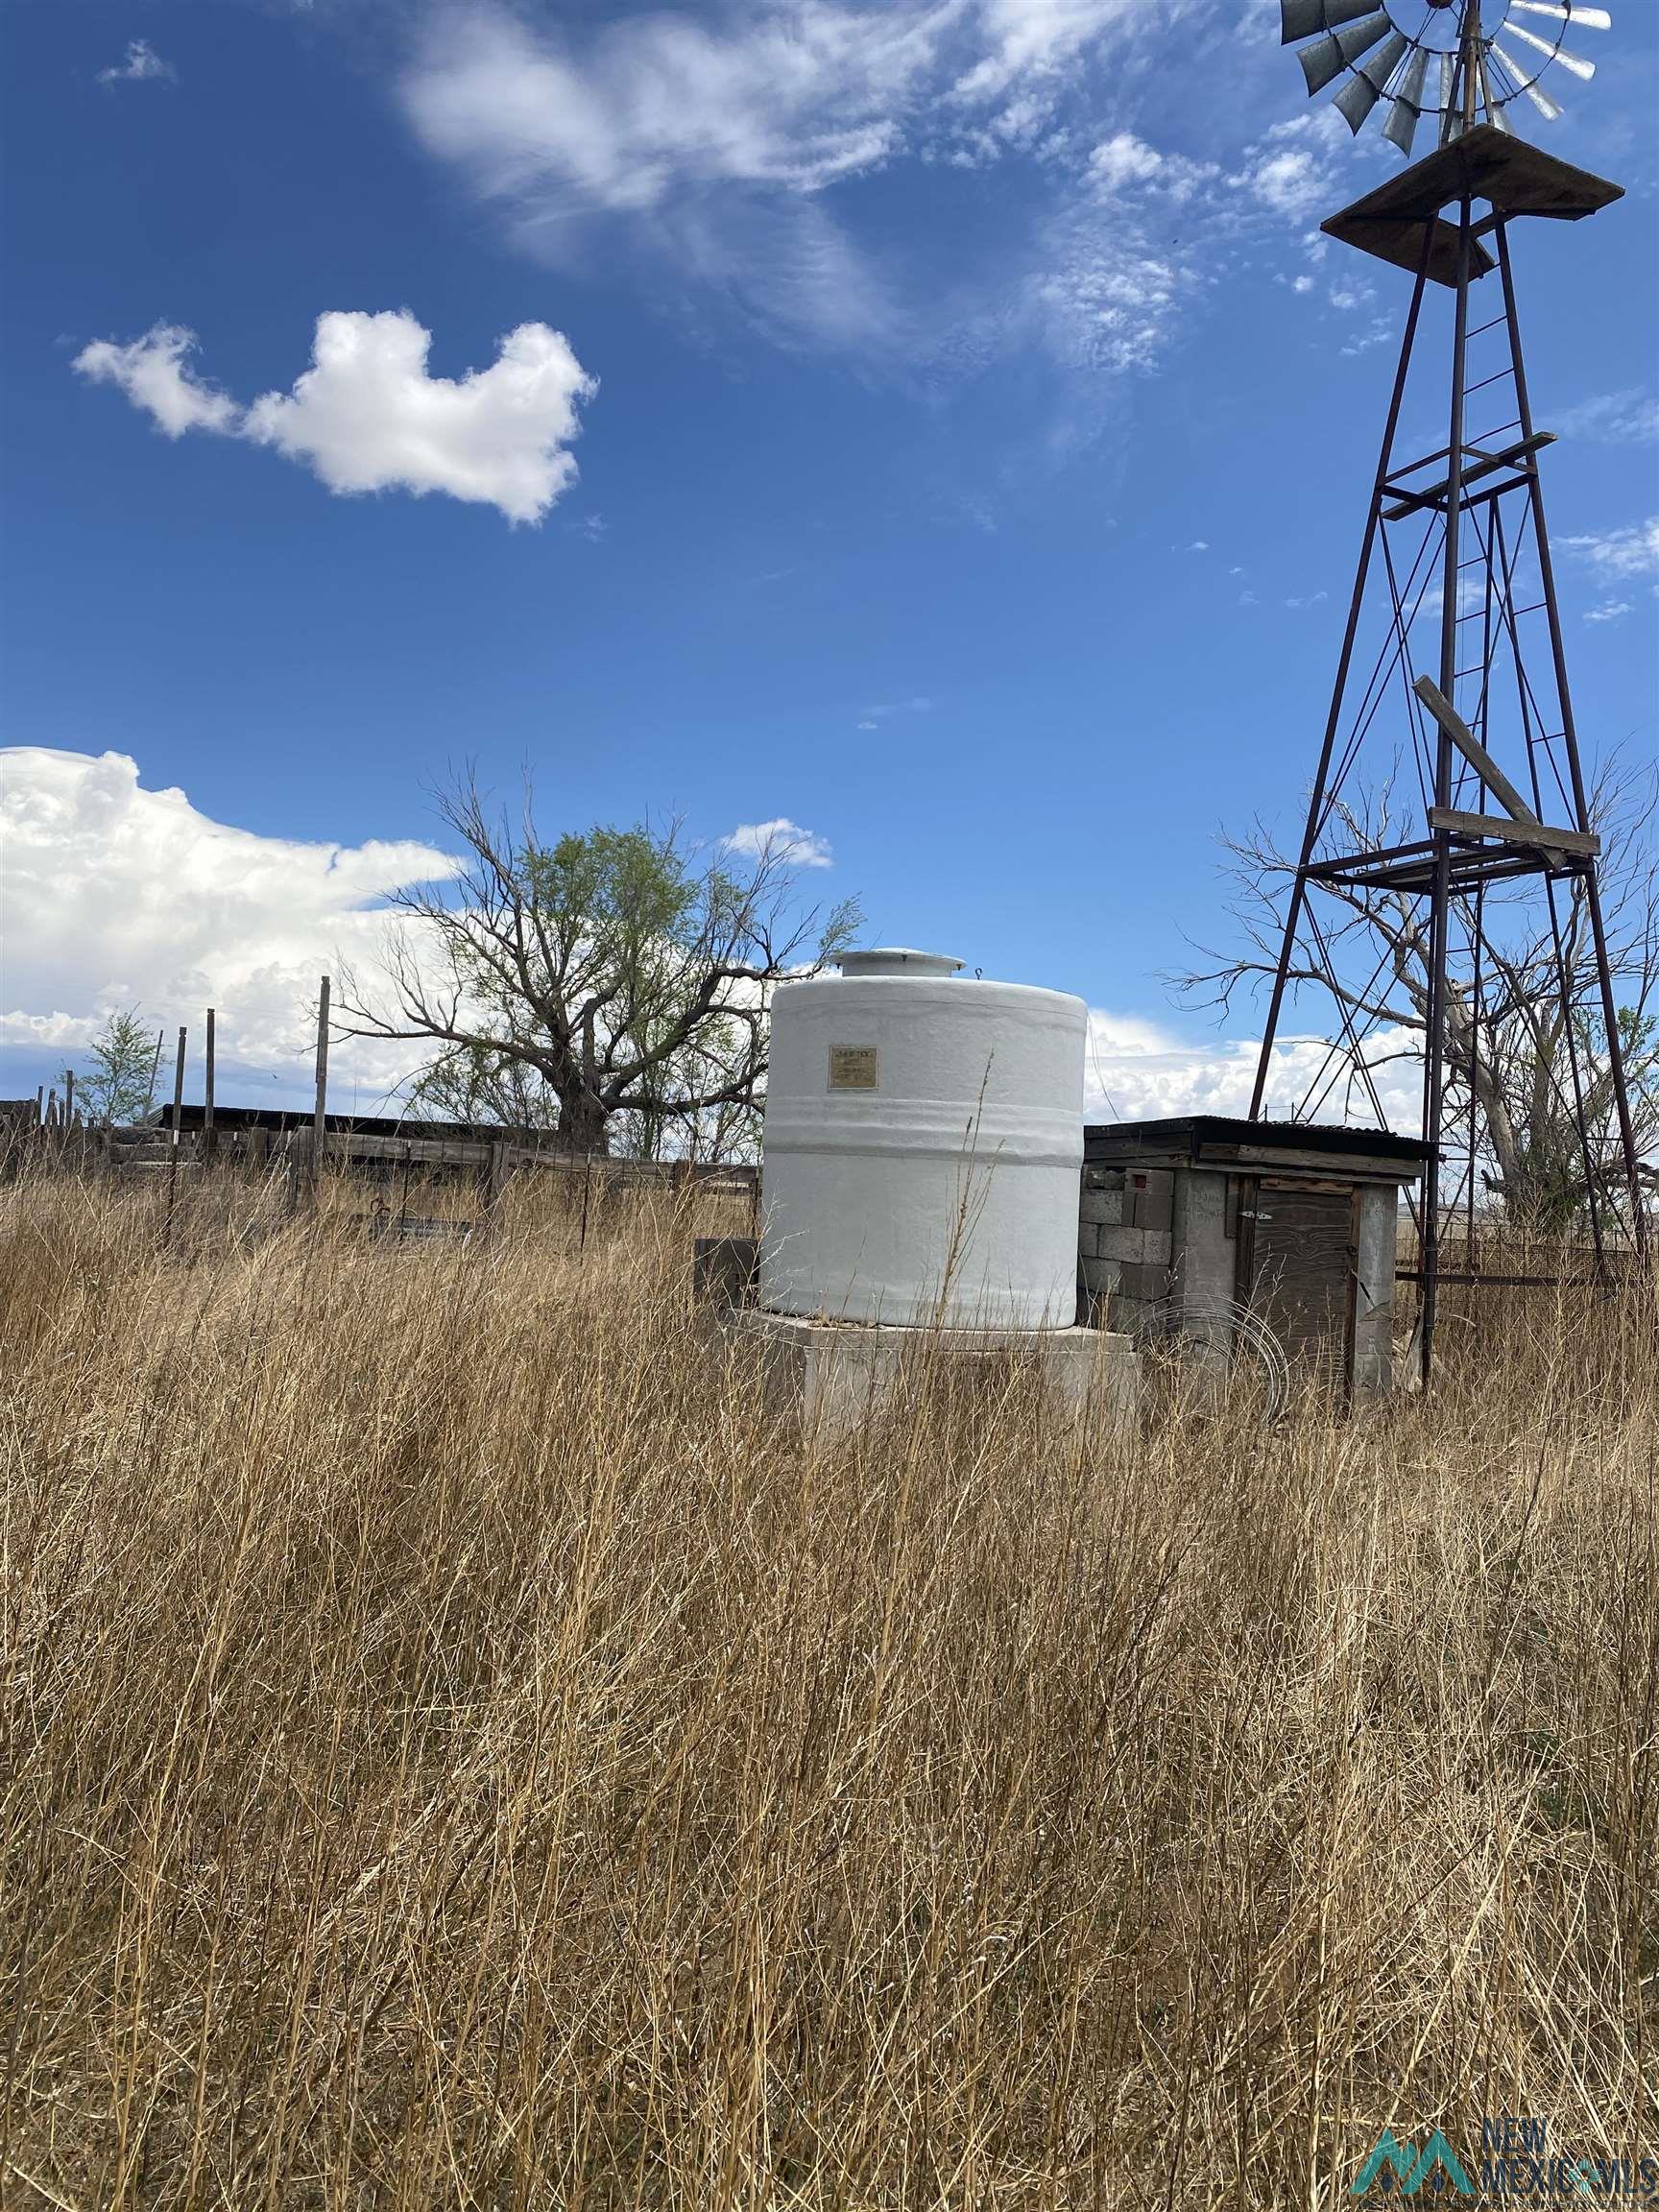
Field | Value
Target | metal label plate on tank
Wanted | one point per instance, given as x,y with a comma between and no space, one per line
855,1067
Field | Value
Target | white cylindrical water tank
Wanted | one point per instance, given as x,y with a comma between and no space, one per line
924,1141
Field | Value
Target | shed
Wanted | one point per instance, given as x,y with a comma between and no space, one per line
1183,1219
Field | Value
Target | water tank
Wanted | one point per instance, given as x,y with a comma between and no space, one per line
924,1142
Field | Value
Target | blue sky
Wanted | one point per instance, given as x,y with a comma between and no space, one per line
955,442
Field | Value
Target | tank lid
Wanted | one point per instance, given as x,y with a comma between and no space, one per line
898,960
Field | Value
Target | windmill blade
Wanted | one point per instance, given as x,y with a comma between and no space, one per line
1591,18
1407,113
1401,127
1549,109
1327,58
1362,90
1571,62
1451,117
1301,19
1496,116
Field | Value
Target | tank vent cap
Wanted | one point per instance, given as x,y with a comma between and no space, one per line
898,960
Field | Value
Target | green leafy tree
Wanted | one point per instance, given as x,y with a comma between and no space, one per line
612,986
117,1088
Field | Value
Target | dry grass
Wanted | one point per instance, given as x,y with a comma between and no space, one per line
457,1752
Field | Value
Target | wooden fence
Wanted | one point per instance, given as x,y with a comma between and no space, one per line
34,1139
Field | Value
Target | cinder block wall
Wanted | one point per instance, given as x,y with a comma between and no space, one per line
1125,1244
1147,1236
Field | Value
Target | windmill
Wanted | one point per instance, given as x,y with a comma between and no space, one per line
1448,69
1454,570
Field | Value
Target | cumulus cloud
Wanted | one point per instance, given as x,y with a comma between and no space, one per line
1609,611
156,374
116,894
1292,169
779,840
1124,160
1136,1071
141,64
369,415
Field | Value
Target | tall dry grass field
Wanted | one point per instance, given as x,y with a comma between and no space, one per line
457,1750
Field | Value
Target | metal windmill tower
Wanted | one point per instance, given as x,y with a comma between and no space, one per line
1455,591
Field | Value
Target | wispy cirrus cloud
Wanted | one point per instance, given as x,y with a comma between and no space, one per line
1631,549
1628,418
728,148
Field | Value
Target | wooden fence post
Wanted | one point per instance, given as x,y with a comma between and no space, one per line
178,1117
320,1113
207,1140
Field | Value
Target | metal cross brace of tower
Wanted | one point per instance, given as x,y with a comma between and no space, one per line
1455,545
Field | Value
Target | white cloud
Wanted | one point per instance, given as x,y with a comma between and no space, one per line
1105,295
1023,38
779,840
1301,283
1471,598
1292,170
704,146
1628,418
156,374
792,96
1609,611
1308,599
1630,551
140,65
921,704
1377,332
368,416
1124,160
116,894
1199,546
1136,1070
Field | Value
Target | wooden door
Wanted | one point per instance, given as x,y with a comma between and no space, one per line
1303,1268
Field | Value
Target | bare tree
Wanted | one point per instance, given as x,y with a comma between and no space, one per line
611,981
1525,1049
